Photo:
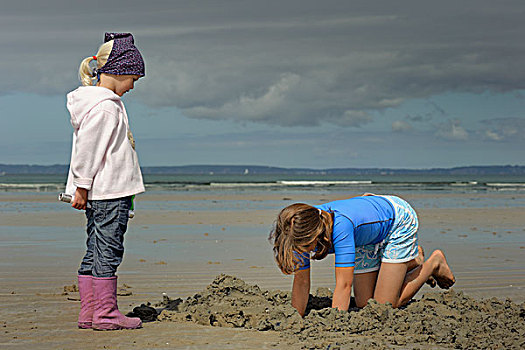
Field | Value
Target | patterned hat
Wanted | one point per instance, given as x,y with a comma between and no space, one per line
124,58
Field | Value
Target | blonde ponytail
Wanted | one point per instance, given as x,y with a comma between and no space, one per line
87,74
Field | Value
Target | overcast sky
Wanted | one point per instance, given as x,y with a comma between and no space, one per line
317,84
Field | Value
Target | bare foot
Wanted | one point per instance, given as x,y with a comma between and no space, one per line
442,272
420,260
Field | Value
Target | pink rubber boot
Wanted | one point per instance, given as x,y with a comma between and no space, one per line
106,315
87,303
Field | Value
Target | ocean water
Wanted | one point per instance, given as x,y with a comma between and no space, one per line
425,191
385,183
475,252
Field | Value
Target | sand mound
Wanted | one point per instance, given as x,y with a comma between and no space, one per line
438,320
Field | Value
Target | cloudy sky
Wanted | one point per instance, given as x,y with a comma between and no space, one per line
301,83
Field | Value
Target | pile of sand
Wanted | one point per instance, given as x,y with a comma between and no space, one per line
445,320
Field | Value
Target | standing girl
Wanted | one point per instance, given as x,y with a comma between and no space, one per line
104,175
374,239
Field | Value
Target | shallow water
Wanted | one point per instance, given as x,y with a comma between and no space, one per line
486,259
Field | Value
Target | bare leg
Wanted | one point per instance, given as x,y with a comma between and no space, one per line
441,273
419,260
364,285
393,287
413,264
389,282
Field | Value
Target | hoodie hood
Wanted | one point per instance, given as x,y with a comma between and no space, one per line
82,100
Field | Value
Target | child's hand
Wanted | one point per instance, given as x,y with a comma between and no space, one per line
80,199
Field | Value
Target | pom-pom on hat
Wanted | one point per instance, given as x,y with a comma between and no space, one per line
125,58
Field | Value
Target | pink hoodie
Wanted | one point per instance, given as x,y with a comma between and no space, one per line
103,158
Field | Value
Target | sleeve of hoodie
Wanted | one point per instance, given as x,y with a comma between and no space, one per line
93,138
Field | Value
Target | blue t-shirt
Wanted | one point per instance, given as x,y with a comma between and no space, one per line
357,221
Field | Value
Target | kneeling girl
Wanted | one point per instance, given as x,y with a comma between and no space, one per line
374,239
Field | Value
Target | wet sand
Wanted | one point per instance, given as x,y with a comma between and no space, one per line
439,319
180,252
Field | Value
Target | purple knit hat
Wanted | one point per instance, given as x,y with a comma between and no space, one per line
124,58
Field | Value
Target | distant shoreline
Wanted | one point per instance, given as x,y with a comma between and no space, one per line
59,169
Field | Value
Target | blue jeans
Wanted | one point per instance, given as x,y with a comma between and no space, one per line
107,221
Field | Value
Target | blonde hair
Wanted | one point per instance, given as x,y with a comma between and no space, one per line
298,227
85,72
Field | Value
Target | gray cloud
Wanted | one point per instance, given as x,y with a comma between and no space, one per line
276,62
401,126
503,129
451,130
433,111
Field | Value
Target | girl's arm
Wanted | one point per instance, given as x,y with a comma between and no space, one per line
95,134
344,276
301,290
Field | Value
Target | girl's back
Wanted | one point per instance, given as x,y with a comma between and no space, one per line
367,218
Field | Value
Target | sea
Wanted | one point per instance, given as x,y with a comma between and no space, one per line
475,250
432,191
388,183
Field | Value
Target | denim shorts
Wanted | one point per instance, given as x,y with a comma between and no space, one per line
400,244
107,221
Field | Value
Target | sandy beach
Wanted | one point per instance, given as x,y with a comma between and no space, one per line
179,249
